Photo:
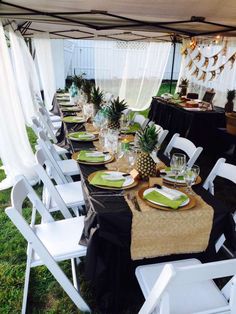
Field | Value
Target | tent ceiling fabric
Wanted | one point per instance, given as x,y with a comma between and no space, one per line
122,19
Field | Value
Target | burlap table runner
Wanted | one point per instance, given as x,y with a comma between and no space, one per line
158,233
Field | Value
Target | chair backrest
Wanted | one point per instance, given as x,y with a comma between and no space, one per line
52,168
47,124
221,169
208,96
44,142
173,278
185,145
20,192
141,120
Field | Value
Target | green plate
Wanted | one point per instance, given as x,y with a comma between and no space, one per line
72,109
73,119
78,136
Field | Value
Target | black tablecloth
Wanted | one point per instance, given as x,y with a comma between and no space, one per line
198,126
107,233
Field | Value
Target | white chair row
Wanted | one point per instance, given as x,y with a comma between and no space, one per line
49,242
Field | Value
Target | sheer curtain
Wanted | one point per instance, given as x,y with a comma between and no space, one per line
131,70
45,66
23,75
226,80
69,46
15,151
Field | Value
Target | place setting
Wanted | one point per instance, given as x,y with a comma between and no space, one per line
83,136
71,109
93,157
74,119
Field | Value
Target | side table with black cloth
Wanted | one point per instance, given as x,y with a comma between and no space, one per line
198,126
108,264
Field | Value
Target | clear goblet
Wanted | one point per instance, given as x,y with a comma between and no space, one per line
177,165
190,176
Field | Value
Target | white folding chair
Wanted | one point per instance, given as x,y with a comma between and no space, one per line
54,125
69,167
51,116
141,120
227,171
186,287
37,126
49,242
70,193
185,145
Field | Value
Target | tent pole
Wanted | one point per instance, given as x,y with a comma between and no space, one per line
173,63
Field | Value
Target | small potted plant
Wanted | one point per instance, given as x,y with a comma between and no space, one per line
78,80
229,106
183,85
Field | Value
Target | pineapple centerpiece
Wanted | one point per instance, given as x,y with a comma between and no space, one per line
147,142
96,98
114,112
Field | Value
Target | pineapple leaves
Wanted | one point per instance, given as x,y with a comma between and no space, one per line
97,97
114,111
148,139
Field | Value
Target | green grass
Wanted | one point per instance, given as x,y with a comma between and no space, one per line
45,294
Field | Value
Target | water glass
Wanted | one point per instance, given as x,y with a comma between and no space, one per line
131,155
177,165
118,153
190,176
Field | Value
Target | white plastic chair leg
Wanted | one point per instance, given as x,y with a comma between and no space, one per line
26,285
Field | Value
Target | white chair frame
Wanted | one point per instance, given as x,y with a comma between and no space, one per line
227,171
141,120
51,191
39,249
185,145
173,277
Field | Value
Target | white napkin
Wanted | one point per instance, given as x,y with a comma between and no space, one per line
95,154
113,176
169,193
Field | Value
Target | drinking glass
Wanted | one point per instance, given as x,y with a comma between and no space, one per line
177,165
190,176
118,153
131,154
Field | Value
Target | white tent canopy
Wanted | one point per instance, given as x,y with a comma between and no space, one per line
122,20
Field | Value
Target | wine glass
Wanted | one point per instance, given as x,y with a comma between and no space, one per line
177,165
190,176
131,155
118,153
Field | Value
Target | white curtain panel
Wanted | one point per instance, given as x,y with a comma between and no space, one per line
23,76
15,151
45,66
226,80
69,46
131,70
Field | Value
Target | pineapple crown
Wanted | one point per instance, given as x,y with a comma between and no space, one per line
231,94
184,82
114,110
97,97
148,138
87,88
78,80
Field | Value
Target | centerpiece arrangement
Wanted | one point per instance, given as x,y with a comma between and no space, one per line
97,98
183,85
147,143
114,112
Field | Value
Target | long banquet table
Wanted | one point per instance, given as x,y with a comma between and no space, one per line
107,234
198,126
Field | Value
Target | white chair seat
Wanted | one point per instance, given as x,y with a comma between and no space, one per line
54,118
71,193
69,167
188,298
60,150
61,238
56,125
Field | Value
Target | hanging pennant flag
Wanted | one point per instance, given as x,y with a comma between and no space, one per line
203,76
224,50
206,62
221,68
195,72
192,44
215,58
198,56
190,64
184,51
213,75
232,60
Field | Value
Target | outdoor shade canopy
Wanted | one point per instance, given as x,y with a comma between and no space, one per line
151,20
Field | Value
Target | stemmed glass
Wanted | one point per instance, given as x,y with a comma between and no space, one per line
131,154
190,176
118,153
177,165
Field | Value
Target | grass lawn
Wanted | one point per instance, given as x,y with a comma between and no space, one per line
45,294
